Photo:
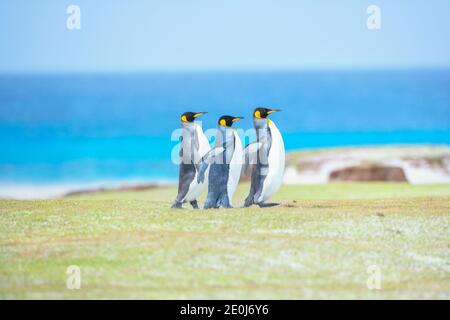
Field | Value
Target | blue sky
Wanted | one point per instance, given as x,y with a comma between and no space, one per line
175,35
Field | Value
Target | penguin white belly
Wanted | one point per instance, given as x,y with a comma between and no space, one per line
195,189
276,163
235,168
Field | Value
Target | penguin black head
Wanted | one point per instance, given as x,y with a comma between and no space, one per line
262,113
190,116
227,121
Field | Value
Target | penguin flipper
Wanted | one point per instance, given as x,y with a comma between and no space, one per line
201,172
250,155
207,159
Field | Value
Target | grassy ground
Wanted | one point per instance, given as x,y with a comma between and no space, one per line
318,244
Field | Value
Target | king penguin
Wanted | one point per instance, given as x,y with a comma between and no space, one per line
194,146
267,155
225,170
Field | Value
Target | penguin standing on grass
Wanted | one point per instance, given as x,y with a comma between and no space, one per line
225,170
194,146
267,155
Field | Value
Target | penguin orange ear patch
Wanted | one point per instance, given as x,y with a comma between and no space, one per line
183,118
258,114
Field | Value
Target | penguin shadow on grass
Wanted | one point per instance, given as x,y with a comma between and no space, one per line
268,204
195,206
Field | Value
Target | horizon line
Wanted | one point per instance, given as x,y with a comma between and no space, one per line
227,70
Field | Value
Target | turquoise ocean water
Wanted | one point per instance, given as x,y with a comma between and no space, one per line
85,128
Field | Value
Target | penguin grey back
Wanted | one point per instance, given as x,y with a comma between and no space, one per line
260,168
189,157
220,169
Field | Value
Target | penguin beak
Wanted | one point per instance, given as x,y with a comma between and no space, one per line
237,118
198,114
273,110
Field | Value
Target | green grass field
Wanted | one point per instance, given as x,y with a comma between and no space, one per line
317,244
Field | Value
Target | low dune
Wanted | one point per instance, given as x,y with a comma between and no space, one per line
413,164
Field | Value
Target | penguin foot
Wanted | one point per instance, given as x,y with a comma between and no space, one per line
224,202
177,205
194,204
267,205
210,203
248,202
